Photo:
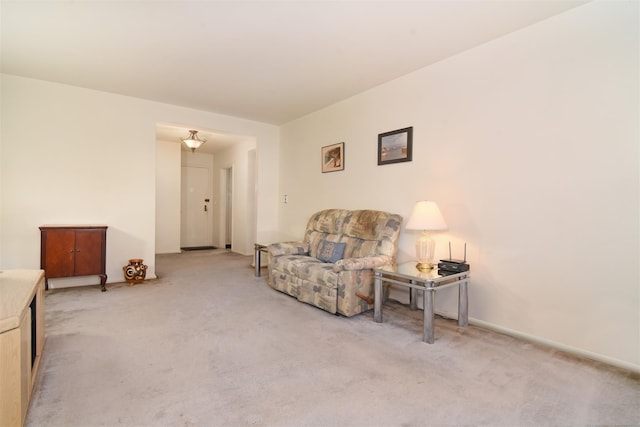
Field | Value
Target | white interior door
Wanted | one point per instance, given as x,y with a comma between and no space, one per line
195,220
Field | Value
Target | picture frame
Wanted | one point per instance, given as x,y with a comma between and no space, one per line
395,146
333,157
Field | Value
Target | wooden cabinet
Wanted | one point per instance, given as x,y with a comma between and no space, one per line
69,251
21,341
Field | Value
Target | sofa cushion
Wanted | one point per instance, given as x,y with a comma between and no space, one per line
362,263
289,248
372,225
328,221
318,272
293,264
324,297
331,251
365,224
358,247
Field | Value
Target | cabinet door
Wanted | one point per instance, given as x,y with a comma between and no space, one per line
60,249
89,252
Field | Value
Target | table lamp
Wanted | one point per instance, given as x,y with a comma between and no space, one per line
426,216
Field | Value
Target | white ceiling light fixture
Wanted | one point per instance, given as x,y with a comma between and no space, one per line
192,141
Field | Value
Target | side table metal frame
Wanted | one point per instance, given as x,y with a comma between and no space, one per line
259,248
429,286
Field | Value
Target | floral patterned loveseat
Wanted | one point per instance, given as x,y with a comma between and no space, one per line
331,268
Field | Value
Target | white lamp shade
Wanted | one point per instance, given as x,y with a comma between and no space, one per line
426,216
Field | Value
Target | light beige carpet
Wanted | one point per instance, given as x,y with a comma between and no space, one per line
209,344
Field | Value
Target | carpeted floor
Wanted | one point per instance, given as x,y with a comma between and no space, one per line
209,344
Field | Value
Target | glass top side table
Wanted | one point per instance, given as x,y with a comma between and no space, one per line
407,275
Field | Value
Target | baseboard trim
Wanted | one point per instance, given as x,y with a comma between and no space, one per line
403,298
553,344
197,248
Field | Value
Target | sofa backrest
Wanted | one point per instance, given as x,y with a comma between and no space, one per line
365,232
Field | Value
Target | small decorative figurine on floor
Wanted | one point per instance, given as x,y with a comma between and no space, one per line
135,271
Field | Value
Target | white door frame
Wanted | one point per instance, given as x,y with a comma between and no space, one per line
226,180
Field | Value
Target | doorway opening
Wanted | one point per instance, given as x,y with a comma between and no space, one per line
231,209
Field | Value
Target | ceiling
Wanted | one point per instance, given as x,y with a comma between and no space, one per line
269,61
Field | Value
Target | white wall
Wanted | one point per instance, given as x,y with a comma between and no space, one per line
239,158
72,155
529,144
168,197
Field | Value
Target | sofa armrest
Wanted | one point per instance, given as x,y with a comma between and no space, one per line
362,263
288,248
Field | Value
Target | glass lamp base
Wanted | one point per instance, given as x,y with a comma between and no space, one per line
425,250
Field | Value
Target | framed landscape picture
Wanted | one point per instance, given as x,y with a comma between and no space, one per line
395,146
333,157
